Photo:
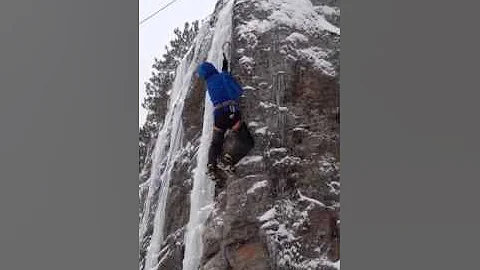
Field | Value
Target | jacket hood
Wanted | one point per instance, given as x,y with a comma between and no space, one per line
206,69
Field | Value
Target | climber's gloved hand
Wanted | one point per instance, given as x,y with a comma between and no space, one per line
225,63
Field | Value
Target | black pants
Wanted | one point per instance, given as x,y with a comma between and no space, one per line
224,120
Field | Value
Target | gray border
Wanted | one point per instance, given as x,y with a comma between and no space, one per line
409,127
69,134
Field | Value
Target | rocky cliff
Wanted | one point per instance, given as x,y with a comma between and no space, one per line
281,210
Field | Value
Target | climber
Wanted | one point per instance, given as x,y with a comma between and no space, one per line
224,92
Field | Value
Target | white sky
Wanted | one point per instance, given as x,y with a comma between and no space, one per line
157,32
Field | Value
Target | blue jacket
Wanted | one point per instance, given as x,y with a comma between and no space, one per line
221,86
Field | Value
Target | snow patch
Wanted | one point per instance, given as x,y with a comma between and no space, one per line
333,264
291,58
288,160
277,150
316,56
253,124
334,187
246,60
284,232
328,165
327,10
300,129
266,104
250,159
269,225
262,130
257,185
270,214
297,38
299,14
305,198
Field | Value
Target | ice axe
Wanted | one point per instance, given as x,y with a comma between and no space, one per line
224,45
225,61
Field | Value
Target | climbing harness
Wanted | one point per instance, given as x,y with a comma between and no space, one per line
228,103
231,105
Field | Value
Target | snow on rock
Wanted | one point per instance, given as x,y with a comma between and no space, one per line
316,56
300,129
250,159
281,224
247,87
246,60
266,104
253,124
329,165
328,10
262,130
288,160
285,233
257,185
291,58
298,14
305,198
297,38
318,263
334,187
277,150
263,84
270,214
332,264
270,225
248,36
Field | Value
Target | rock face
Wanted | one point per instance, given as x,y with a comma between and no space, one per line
281,209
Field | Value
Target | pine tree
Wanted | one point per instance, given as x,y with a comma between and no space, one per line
158,86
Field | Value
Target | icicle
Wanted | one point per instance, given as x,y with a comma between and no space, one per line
167,150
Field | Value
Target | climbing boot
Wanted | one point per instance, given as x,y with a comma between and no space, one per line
226,163
212,171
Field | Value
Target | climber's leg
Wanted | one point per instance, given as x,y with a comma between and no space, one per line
234,123
216,146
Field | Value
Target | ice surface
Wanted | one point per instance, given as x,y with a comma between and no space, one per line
167,150
193,235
